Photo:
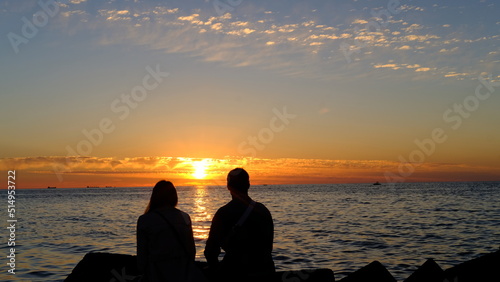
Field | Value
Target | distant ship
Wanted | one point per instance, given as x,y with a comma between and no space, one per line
92,186
51,187
377,183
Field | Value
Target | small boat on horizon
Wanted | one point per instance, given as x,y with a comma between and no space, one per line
51,187
377,183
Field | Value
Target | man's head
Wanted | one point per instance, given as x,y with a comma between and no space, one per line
238,180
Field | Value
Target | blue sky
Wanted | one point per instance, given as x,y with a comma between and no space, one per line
364,79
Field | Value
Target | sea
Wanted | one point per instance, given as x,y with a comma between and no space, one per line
342,227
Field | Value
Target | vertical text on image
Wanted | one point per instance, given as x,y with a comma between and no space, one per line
11,220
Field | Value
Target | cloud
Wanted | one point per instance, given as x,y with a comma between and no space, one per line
164,11
391,66
359,21
406,8
190,18
404,47
79,171
455,74
412,28
444,50
73,13
116,15
285,30
308,39
240,23
420,38
241,32
216,26
422,69
79,164
323,36
394,66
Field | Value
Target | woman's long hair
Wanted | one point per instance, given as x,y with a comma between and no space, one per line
164,195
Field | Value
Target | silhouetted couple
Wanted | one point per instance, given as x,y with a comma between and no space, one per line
243,228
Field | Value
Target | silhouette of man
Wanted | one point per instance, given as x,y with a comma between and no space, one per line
244,229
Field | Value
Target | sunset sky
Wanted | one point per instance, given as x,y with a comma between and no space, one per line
124,93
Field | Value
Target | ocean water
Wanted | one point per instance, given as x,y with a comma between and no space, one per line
338,226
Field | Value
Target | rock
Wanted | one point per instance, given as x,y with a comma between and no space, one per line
374,271
484,269
104,267
430,271
311,275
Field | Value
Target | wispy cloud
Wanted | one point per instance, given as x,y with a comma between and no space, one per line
394,66
272,40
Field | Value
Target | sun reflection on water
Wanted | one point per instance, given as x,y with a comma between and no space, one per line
200,217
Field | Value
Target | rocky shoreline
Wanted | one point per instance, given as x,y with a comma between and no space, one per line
108,267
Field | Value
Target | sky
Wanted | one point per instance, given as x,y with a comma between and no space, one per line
125,93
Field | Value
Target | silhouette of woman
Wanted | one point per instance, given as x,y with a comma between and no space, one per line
165,244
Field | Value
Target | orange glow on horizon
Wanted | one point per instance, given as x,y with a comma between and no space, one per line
146,171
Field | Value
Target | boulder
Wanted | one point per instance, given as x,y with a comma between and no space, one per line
105,267
430,271
484,269
374,271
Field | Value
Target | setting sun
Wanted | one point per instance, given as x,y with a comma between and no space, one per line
200,169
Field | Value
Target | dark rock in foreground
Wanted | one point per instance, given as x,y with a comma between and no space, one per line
430,271
106,267
374,271
482,269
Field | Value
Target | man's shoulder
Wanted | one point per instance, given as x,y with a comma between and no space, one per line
230,210
228,207
260,205
235,207
262,208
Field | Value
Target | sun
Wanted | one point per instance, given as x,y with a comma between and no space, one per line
200,169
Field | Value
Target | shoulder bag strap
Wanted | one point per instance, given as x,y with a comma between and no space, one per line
245,215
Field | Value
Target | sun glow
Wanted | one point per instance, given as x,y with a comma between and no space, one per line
200,169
